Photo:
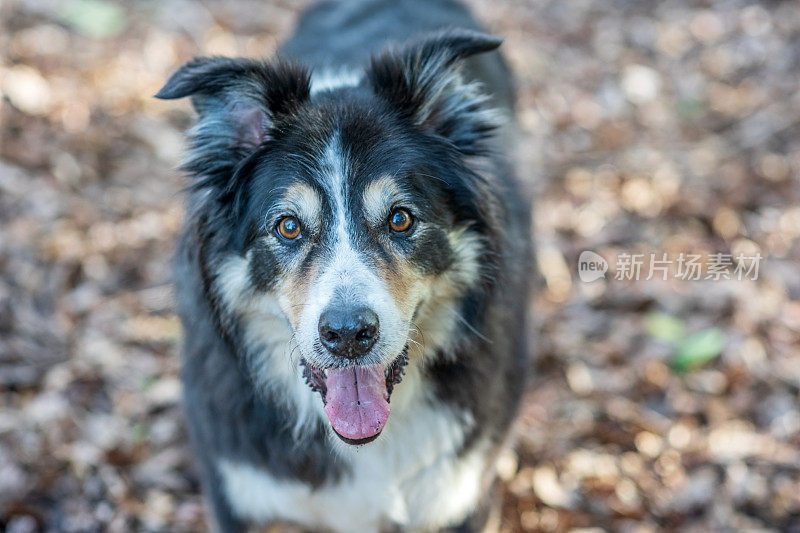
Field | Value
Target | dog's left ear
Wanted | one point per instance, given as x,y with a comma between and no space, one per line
423,81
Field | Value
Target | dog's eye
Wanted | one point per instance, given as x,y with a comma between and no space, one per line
400,220
289,228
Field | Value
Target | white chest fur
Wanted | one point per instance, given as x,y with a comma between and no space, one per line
411,475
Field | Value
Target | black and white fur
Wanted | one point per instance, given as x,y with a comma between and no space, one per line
372,104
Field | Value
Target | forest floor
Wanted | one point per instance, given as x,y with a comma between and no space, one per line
646,128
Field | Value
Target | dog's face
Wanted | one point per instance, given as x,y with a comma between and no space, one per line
353,209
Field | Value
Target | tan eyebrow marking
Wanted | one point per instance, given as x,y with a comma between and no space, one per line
306,202
378,198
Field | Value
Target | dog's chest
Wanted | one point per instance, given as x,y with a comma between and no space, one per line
410,476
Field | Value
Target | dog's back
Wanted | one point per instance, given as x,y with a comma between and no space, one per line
335,35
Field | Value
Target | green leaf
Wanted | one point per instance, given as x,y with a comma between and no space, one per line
698,349
664,327
140,432
94,18
148,382
690,108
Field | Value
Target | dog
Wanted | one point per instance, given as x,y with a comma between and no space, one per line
353,272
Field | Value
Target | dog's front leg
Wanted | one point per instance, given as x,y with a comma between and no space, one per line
221,518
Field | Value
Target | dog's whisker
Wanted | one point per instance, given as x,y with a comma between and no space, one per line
471,328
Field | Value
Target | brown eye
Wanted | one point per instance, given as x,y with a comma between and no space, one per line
289,228
400,220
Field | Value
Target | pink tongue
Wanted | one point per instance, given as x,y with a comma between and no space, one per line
357,405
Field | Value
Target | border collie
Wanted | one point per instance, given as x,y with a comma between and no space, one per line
352,275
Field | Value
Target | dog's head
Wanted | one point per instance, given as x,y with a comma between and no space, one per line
354,211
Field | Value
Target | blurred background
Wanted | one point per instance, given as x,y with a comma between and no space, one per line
647,127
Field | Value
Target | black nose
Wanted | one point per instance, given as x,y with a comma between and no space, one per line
348,332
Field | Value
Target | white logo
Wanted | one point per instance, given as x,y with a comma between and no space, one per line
591,266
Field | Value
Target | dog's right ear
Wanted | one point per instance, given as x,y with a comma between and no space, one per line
238,100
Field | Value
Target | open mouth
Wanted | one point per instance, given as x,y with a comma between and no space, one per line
356,398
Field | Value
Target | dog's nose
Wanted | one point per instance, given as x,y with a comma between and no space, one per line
348,332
